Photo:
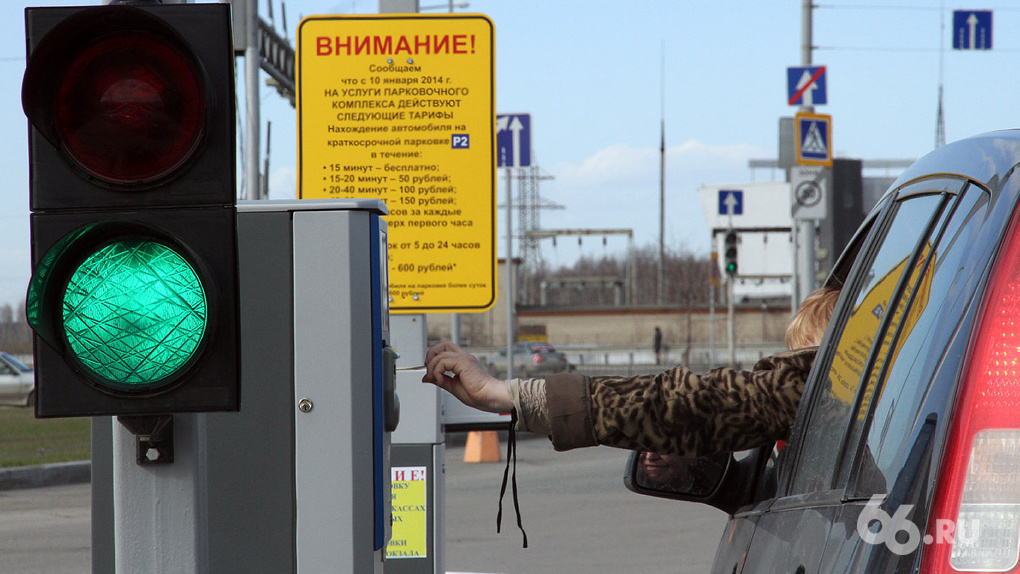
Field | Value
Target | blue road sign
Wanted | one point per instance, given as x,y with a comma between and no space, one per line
972,29
805,86
513,140
731,202
814,139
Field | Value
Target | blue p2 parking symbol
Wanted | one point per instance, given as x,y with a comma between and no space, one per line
460,141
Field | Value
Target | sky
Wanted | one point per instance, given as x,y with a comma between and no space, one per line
601,78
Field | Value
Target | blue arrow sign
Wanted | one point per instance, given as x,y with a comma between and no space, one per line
805,86
972,29
731,202
513,140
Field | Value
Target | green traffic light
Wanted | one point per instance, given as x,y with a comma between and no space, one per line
134,313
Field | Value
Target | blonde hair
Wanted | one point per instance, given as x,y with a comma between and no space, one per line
808,325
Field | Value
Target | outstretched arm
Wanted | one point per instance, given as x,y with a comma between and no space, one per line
448,367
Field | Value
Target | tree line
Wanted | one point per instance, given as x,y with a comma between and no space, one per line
620,280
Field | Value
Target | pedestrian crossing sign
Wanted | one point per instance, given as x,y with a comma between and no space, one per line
813,139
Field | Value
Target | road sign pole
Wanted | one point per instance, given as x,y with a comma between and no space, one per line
509,290
804,265
807,259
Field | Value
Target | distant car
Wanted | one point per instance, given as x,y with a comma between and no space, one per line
17,382
531,359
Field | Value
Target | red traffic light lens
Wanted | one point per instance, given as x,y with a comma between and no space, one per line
130,108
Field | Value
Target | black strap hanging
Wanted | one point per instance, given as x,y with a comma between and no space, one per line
511,453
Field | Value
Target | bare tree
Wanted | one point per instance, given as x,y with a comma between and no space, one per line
597,282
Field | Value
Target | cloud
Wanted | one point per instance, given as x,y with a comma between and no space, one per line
617,187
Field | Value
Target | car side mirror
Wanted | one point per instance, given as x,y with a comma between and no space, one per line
727,481
673,476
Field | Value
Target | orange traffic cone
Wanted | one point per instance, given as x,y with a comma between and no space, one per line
482,446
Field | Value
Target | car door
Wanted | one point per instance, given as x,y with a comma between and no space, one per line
792,535
10,384
887,464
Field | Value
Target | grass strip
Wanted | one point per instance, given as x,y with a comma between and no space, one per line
27,441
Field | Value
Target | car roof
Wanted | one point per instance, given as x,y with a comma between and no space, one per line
984,158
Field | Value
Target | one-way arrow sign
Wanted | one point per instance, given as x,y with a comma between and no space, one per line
731,202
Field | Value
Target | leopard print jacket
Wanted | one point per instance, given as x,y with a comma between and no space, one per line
678,411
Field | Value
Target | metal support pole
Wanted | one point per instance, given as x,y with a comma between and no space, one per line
804,264
729,327
711,324
252,182
510,295
807,259
160,520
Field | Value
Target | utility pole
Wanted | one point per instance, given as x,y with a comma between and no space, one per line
662,179
252,62
806,228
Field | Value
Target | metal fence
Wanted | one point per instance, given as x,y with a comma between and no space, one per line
629,361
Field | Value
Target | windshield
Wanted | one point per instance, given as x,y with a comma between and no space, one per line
15,363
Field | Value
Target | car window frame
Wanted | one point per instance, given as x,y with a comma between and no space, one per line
851,467
851,449
867,249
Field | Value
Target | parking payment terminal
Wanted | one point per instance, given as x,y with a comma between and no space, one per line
344,380
342,402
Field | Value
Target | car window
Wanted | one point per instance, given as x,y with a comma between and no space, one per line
916,289
904,241
18,365
6,369
895,422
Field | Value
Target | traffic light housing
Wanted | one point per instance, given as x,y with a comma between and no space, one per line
730,253
134,295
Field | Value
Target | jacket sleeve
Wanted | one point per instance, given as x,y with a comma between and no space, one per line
679,412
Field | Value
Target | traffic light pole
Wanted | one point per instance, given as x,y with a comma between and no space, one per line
730,331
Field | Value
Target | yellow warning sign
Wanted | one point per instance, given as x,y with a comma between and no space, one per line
409,488
402,109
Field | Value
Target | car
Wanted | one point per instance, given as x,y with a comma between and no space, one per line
531,359
17,382
905,452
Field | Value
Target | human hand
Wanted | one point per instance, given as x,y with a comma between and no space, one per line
448,367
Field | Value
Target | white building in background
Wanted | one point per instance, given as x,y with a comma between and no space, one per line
760,213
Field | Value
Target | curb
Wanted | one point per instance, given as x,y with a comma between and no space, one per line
56,474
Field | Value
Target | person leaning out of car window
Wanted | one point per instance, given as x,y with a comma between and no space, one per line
674,412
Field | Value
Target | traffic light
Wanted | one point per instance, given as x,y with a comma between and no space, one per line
730,253
134,296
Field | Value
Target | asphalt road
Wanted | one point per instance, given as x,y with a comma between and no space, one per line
45,530
579,518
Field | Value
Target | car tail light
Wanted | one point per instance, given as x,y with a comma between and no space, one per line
974,525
